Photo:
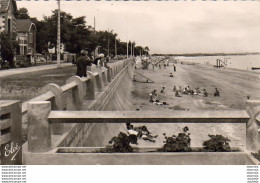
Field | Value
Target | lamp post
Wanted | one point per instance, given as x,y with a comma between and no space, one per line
115,48
126,39
58,37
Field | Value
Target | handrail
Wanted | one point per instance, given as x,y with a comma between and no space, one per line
68,86
239,116
44,97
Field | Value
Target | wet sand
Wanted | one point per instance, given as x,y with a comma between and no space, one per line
234,86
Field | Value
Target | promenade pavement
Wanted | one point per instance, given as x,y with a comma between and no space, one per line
9,72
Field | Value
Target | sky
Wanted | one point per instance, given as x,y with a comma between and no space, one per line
169,26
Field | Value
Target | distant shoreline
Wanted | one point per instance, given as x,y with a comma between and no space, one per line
206,54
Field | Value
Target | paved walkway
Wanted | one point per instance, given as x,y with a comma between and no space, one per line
4,73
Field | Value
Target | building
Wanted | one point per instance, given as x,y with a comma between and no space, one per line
26,31
8,11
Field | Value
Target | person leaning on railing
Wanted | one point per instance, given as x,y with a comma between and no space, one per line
82,63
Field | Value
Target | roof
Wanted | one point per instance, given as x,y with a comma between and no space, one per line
5,4
23,25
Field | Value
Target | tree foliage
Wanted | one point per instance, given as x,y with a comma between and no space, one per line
8,47
22,13
76,35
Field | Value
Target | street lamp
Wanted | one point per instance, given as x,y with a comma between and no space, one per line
58,37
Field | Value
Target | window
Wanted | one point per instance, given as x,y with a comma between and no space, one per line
31,38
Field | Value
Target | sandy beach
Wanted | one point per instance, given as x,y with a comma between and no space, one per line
234,86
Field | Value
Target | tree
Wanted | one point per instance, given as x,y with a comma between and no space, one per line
139,50
22,13
146,49
8,47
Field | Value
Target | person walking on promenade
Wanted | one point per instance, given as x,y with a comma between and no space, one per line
82,64
174,67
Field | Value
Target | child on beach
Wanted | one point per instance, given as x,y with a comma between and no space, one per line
151,97
162,91
174,89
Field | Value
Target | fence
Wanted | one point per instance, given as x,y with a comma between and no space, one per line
40,152
78,93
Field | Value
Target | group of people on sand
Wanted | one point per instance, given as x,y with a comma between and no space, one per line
140,132
188,91
84,61
154,97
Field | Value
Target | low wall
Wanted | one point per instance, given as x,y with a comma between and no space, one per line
103,89
116,97
178,158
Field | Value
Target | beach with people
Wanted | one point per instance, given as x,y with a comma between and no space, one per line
226,88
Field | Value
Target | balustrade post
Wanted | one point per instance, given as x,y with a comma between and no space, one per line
39,129
109,75
98,82
90,87
104,76
57,104
75,100
253,125
114,71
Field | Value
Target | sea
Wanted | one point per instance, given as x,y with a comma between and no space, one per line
242,62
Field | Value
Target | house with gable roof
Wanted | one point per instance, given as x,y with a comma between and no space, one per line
26,30
8,11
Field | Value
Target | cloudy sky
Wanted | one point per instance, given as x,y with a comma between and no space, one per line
169,27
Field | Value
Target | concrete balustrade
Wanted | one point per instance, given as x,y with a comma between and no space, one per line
71,96
48,117
69,86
